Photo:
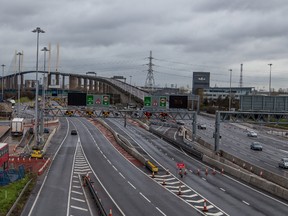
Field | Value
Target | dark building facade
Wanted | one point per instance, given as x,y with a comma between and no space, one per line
201,80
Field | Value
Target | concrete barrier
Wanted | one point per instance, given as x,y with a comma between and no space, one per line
249,178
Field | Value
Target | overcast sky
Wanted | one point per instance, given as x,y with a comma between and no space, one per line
114,37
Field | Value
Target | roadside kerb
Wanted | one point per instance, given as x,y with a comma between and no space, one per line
41,170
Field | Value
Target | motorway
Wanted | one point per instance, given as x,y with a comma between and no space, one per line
235,141
224,194
122,186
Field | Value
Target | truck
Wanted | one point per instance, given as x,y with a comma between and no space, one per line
17,126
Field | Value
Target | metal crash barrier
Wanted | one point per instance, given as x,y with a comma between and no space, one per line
87,182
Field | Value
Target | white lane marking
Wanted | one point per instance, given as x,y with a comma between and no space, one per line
80,200
79,208
145,197
215,214
121,175
222,189
109,161
74,186
114,167
245,202
132,185
204,179
76,181
160,211
269,164
76,192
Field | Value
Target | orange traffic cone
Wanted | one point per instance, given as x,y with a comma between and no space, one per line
110,212
205,209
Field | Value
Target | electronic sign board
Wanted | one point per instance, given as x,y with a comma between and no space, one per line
76,99
178,101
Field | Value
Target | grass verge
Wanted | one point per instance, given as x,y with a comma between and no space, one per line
9,194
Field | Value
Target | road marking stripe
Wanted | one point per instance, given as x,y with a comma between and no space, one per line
77,192
160,211
76,186
245,202
132,185
80,200
79,208
215,214
145,197
222,189
121,175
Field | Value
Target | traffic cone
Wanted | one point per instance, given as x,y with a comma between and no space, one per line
261,173
205,209
214,172
110,212
185,172
206,172
179,191
163,183
222,171
167,172
198,172
153,175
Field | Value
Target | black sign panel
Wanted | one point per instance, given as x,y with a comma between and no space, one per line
76,99
54,92
178,101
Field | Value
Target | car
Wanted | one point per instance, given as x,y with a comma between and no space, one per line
46,130
252,134
180,122
283,163
256,146
202,126
73,132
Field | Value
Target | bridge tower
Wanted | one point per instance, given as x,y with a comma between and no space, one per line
150,82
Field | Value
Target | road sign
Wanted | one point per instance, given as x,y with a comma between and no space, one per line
90,100
147,101
180,165
106,100
163,101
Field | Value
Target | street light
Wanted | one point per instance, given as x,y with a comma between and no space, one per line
270,80
43,90
37,30
18,80
130,90
230,89
3,65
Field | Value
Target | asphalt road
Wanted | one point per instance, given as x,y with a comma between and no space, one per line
225,194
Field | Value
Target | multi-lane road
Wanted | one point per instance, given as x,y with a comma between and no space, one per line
127,187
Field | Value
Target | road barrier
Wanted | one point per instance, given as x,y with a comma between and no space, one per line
87,181
41,170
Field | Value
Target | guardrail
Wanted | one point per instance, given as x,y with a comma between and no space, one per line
87,181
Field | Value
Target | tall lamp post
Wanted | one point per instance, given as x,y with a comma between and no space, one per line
230,90
38,30
18,81
130,90
44,87
3,66
270,80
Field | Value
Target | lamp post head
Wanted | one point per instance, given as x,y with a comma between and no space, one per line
44,49
38,30
19,53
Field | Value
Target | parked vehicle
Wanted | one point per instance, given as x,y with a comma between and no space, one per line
256,146
17,126
283,163
252,134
